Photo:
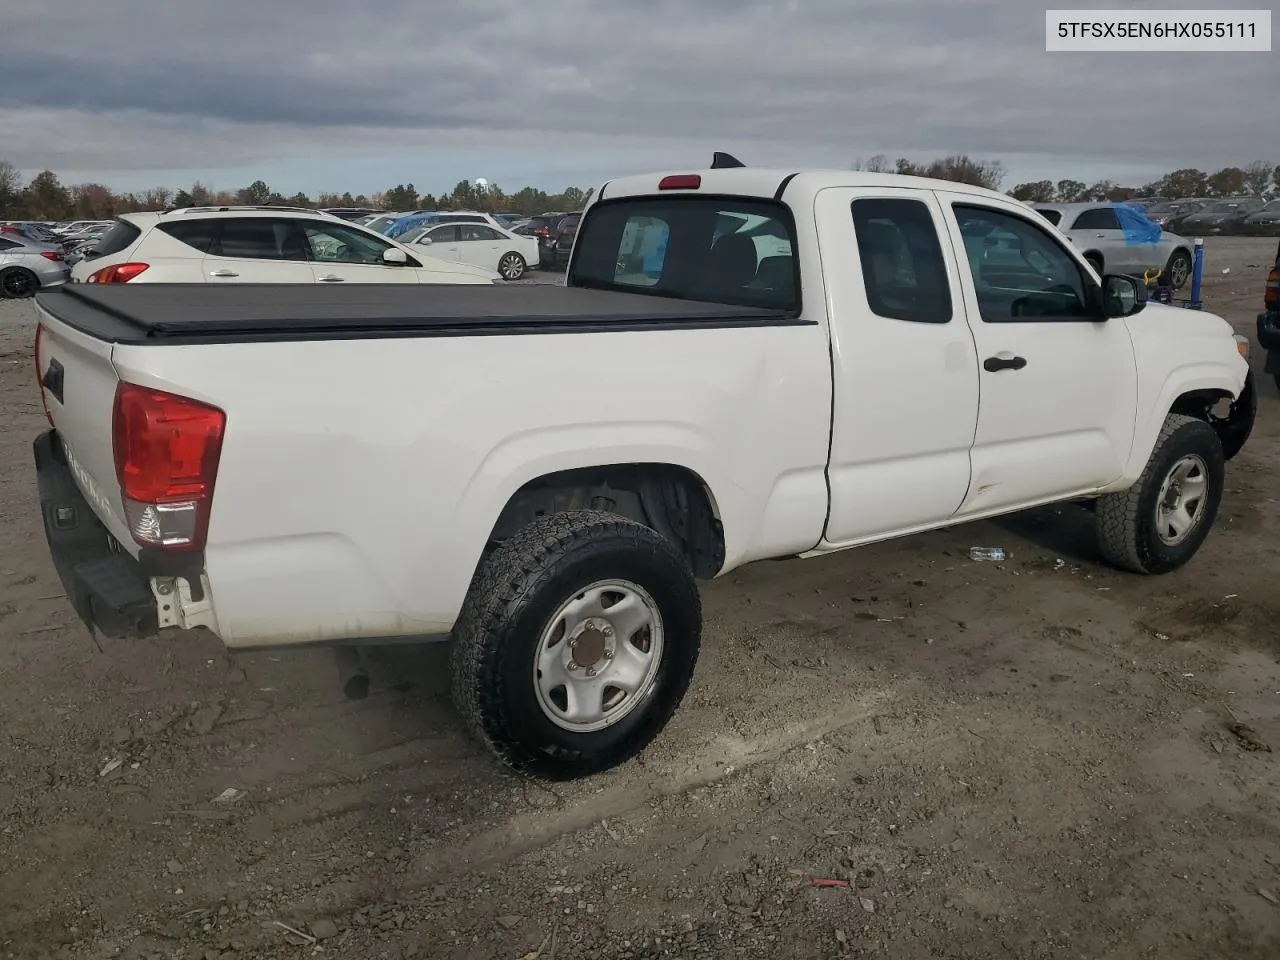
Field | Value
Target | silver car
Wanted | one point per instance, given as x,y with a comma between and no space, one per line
1095,229
27,266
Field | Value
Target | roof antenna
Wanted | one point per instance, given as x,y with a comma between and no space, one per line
722,161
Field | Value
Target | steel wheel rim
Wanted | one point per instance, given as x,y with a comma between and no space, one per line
16,284
510,266
598,658
1183,497
1178,275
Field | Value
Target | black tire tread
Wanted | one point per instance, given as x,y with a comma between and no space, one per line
1118,513
506,579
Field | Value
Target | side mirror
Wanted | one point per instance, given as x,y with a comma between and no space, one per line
395,257
424,240
1122,296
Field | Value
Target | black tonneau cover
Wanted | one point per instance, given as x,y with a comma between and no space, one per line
199,313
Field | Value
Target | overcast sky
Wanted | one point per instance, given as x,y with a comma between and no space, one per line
318,95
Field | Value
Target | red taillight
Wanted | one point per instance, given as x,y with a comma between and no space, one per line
166,451
1271,295
680,181
40,372
120,273
51,255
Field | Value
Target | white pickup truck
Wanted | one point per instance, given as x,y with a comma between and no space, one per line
743,364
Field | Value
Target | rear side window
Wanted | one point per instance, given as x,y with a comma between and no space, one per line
732,250
902,265
120,237
7,244
260,238
1100,218
198,234
1053,216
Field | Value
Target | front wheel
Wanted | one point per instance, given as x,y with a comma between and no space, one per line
576,643
1159,523
512,266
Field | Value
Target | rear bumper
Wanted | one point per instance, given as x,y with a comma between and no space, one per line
108,588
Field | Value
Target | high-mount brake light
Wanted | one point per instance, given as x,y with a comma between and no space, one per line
40,372
166,451
681,181
119,273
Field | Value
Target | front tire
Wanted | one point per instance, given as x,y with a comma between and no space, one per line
512,266
543,672
18,283
1159,523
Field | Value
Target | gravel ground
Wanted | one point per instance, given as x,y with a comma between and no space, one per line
1029,759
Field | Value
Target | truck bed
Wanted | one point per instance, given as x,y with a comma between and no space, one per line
203,313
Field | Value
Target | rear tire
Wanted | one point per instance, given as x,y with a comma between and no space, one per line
1178,270
507,662
1094,261
1141,529
18,283
512,266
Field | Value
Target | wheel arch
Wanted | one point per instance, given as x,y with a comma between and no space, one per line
670,498
1190,391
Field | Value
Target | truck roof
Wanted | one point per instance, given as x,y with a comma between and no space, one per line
766,183
185,313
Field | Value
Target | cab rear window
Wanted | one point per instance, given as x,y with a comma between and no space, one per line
732,250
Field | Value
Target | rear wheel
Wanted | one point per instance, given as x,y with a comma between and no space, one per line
18,282
1159,523
576,644
1095,261
512,266
1178,270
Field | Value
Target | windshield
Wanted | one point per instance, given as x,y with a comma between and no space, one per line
731,250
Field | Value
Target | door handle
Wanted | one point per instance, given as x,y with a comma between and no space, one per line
224,273
1101,236
331,278
997,363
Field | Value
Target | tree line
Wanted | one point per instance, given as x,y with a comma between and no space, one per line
45,197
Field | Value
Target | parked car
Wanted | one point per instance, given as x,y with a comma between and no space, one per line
419,220
1221,216
1121,241
1269,321
563,236
480,245
348,213
544,227
27,266
1265,221
382,221
233,245
570,458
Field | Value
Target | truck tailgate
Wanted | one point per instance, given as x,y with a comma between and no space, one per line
78,382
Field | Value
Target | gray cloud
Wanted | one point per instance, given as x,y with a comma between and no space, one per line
149,83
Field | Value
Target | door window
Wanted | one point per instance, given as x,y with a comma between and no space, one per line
1020,271
1098,218
260,238
478,231
445,234
903,270
336,243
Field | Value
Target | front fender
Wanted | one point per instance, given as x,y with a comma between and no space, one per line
1216,375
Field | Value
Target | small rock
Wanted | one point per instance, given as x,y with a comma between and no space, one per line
111,766
841,937
324,929
174,866
509,921
868,904
229,795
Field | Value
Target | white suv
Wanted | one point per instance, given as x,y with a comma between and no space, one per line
258,245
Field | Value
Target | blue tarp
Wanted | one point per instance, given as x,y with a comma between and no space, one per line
405,224
1137,228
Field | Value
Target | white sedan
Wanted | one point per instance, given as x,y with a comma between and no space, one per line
480,245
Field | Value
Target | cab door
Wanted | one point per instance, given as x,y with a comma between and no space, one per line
904,364
1058,382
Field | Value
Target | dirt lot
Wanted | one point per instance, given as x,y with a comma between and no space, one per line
1029,759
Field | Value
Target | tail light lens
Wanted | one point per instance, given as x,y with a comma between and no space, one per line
120,273
1271,296
51,255
40,372
166,451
